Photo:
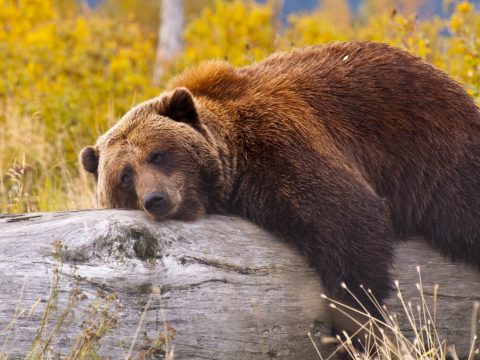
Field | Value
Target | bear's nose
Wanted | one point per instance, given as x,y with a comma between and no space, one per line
156,202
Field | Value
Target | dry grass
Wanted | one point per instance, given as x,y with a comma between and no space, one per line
68,75
34,180
386,340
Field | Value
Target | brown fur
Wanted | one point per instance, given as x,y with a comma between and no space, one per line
340,149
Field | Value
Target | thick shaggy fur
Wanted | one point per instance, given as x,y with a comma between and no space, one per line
340,149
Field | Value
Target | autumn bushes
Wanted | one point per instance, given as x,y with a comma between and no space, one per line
68,73
65,78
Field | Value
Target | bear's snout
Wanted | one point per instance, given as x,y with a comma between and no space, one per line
157,203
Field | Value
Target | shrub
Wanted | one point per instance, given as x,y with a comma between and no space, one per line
66,78
69,73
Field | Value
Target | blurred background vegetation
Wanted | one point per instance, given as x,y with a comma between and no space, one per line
70,69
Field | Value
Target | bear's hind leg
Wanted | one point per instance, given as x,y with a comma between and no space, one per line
454,230
451,222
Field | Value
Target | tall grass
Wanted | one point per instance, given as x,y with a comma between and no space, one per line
68,73
387,340
66,77
37,176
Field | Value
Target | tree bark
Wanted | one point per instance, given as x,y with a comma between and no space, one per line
229,289
170,40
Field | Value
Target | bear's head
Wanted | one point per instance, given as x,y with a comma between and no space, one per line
159,157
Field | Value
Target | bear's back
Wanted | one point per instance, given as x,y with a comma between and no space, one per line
401,122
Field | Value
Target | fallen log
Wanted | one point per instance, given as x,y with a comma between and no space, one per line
226,289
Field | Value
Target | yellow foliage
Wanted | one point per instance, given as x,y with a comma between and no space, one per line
238,31
463,52
67,75
74,75
451,44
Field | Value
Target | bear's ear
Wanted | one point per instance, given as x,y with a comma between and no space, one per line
89,159
179,106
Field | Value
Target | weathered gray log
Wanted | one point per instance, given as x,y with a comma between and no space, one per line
229,289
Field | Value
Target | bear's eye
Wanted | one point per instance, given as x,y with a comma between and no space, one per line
126,178
157,157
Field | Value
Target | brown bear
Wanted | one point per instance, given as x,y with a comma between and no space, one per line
341,149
